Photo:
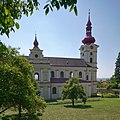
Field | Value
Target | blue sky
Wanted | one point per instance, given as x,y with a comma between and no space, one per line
60,32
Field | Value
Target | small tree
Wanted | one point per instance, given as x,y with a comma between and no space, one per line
73,90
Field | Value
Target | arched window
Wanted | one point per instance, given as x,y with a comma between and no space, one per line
71,74
80,74
86,77
91,53
62,74
54,90
52,74
90,60
36,75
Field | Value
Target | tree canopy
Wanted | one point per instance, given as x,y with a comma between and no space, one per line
114,82
117,69
73,90
17,84
13,10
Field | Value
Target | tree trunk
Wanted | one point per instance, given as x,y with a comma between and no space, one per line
20,110
73,102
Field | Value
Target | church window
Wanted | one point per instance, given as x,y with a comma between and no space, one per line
36,75
90,60
54,90
80,74
62,74
91,53
52,74
86,77
71,74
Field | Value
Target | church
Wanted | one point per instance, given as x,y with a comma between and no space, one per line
52,72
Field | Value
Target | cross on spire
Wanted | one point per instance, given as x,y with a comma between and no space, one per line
35,41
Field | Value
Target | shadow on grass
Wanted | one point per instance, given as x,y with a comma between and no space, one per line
23,117
79,106
51,101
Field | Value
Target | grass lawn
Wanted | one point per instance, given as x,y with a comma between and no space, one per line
95,109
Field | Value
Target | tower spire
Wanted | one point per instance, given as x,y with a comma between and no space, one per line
35,41
88,28
89,15
88,39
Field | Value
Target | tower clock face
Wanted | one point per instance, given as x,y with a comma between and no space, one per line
36,55
91,47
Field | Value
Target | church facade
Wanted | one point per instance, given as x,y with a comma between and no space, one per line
52,72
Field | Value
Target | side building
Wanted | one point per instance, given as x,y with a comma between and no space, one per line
52,72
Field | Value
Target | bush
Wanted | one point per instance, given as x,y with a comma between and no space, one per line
110,95
84,100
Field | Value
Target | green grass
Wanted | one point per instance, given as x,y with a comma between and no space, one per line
95,109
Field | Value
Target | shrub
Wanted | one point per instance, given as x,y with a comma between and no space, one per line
110,95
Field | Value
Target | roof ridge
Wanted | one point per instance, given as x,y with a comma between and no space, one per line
65,58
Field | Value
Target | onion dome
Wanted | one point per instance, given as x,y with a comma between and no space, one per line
35,42
88,39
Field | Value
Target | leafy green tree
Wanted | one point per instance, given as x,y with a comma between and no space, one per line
112,83
13,10
73,90
17,84
117,69
102,84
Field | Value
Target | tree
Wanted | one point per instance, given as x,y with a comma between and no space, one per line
17,84
13,10
117,69
112,83
100,84
73,90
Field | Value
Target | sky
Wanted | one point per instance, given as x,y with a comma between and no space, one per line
60,33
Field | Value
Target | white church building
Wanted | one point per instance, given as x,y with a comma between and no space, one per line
52,72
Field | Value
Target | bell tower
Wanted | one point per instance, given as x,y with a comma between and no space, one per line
88,51
36,52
